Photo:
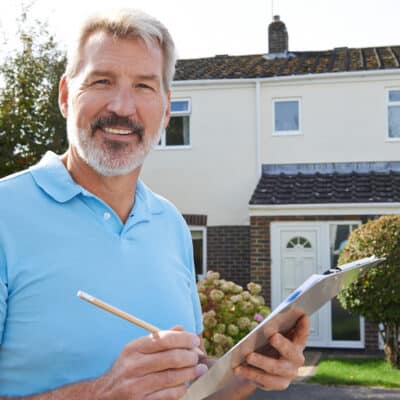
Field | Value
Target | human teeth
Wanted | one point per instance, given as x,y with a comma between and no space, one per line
117,131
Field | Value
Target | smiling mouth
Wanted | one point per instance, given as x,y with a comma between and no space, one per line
118,131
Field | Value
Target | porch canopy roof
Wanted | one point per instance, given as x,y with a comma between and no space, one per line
330,183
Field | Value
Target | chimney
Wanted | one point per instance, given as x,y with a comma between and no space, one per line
277,36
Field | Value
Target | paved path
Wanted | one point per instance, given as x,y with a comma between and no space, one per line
302,391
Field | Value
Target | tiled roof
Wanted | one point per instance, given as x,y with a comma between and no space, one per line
293,63
330,186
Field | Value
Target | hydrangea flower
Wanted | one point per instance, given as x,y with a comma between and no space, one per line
229,312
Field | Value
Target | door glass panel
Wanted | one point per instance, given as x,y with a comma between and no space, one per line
344,325
298,242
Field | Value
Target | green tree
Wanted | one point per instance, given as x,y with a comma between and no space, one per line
376,294
30,122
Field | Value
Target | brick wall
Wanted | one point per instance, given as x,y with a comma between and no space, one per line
228,252
260,254
278,38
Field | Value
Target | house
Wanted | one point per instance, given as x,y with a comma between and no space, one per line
275,158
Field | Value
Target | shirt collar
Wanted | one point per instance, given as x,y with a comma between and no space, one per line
51,175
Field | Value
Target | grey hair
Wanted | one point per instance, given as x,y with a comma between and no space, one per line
125,23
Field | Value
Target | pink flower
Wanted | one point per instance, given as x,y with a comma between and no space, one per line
258,317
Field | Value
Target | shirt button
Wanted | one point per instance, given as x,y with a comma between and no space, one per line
106,216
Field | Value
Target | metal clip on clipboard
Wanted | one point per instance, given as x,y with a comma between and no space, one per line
306,299
332,270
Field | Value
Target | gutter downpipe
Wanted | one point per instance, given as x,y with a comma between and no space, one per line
258,130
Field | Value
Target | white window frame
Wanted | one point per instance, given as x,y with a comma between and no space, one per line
390,103
187,113
203,230
291,132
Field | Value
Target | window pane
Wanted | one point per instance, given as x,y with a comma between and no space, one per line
180,106
177,132
394,121
394,95
338,236
287,115
344,325
197,234
198,256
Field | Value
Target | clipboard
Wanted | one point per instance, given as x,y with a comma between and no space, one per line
317,290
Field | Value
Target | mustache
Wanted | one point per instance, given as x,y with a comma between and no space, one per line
117,120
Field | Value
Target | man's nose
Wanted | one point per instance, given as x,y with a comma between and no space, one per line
123,103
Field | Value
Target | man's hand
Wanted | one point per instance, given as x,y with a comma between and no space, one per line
276,373
154,367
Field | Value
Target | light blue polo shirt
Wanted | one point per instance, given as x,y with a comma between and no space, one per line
57,238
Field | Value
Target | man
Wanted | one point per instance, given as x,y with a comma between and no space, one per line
85,221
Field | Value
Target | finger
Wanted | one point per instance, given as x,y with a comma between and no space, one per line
168,394
172,378
164,340
144,364
288,350
261,379
301,331
272,366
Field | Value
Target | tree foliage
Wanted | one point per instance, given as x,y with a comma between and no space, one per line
376,294
30,121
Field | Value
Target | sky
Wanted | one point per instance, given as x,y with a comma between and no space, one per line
206,28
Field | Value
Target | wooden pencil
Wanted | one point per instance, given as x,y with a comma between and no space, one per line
116,311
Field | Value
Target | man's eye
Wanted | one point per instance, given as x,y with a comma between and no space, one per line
101,82
144,86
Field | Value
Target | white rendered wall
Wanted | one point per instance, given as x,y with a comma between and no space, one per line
218,174
343,119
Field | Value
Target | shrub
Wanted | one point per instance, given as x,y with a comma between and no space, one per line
376,294
229,312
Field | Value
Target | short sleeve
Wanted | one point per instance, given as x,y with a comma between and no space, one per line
3,293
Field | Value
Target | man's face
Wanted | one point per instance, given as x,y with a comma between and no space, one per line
116,105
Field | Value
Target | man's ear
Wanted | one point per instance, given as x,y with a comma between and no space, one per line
168,110
63,96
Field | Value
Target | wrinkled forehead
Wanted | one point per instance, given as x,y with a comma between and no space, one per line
100,45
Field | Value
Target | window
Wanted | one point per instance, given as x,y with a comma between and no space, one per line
298,242
345,326
286,117
177,132
199,239
394,114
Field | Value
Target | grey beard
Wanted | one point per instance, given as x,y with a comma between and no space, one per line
103,161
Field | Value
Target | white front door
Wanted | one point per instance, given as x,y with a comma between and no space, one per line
301,249
295,256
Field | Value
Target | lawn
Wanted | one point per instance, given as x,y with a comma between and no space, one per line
356,371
